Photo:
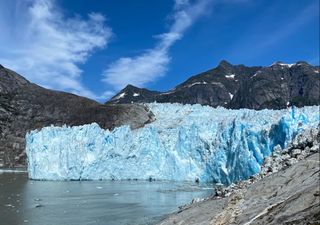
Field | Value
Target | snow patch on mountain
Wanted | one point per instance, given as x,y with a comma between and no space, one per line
136,94
230,76
256,74
121,95
197,83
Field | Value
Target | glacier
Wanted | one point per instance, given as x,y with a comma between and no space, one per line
184,143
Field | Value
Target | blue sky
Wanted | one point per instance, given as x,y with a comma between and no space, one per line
95,48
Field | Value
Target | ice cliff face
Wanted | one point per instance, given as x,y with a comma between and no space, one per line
185,142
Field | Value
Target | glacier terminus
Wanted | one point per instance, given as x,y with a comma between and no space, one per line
183,143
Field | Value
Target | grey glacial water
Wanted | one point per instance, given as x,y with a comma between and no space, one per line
23,201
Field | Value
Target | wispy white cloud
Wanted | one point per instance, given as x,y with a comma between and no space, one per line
40,42
153,63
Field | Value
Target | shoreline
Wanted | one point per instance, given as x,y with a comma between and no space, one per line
14,170
275,199
287,178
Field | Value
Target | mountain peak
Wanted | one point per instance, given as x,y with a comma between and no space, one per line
225,64
278,62
303,63
130,86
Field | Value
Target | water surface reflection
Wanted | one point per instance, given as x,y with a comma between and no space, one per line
91,202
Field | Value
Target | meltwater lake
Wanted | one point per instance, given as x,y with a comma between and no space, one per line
24,201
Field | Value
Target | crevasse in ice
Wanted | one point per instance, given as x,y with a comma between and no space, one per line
184,143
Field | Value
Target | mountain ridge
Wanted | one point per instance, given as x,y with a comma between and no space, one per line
238,86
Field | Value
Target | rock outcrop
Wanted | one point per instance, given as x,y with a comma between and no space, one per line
238,86
25,106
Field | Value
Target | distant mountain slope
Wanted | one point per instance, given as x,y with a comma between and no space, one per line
134,94
239,86
25,106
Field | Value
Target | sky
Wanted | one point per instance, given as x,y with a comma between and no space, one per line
95,48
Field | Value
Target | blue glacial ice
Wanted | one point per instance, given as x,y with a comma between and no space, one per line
184,143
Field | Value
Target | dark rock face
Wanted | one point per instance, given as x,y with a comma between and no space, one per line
280,85
25,106
132,94
239,86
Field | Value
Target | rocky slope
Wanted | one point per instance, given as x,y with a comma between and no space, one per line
239,86
25,106
286,191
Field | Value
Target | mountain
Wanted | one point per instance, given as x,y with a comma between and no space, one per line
239,86
134,94
25,106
